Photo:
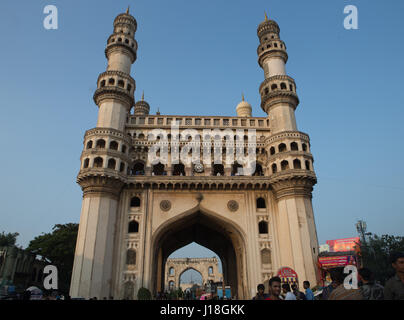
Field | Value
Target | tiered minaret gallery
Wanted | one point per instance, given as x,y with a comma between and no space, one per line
289,159
104,165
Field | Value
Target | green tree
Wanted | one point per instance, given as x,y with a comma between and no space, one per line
375,254
58,249
144,294
8,239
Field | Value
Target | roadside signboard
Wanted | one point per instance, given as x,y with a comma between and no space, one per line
287,275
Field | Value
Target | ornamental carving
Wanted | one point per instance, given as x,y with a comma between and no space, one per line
232,205
165,205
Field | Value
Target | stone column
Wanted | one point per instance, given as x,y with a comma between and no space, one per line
92,269
296,227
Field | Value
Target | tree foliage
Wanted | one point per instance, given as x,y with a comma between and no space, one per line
58,249
8,239
144,294
375,254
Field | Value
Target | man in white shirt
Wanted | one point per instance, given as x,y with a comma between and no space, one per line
287,292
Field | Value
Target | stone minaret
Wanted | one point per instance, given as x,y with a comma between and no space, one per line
104,163
290,161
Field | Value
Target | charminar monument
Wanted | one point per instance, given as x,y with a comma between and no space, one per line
142,202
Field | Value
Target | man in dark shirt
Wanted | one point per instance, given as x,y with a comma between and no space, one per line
260,294
370,289
394,288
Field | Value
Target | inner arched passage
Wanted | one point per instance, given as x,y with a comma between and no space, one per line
209,231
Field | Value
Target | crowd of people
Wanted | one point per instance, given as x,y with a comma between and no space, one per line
368,288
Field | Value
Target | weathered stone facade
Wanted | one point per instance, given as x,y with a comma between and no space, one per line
136,213
175,267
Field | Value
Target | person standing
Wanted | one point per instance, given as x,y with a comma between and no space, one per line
394,288
343,293
370,289
260,293
299,295
308,293
274,288
336,280
286,291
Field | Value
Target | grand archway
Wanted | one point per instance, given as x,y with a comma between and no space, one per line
207,230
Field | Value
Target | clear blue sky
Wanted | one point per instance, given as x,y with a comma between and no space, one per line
196,57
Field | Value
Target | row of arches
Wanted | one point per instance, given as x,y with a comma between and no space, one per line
274,86
123,40
120,83
282,147
284,165
99,163
100,144
275,45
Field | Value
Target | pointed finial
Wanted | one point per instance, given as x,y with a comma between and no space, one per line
158,111
127,10
242,96
143,96
266,17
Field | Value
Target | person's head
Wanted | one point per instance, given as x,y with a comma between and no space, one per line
294,287
397,261
306,284
365,274
286,287
337,275
275,286
261,289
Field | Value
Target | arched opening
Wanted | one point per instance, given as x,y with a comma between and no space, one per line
86,163
274,86
263,227
171,271
102,84
121,167
111,164
190,277
304,147
283,86
135,202
111,81
89,144
158,170
210,270
123,149
121,83
272,151
137,169
179,170
133,227
113,145
274,168
100,143
284,165
261,203
218,170
205,229
282,147
297,164
98,162
294,147
307,162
